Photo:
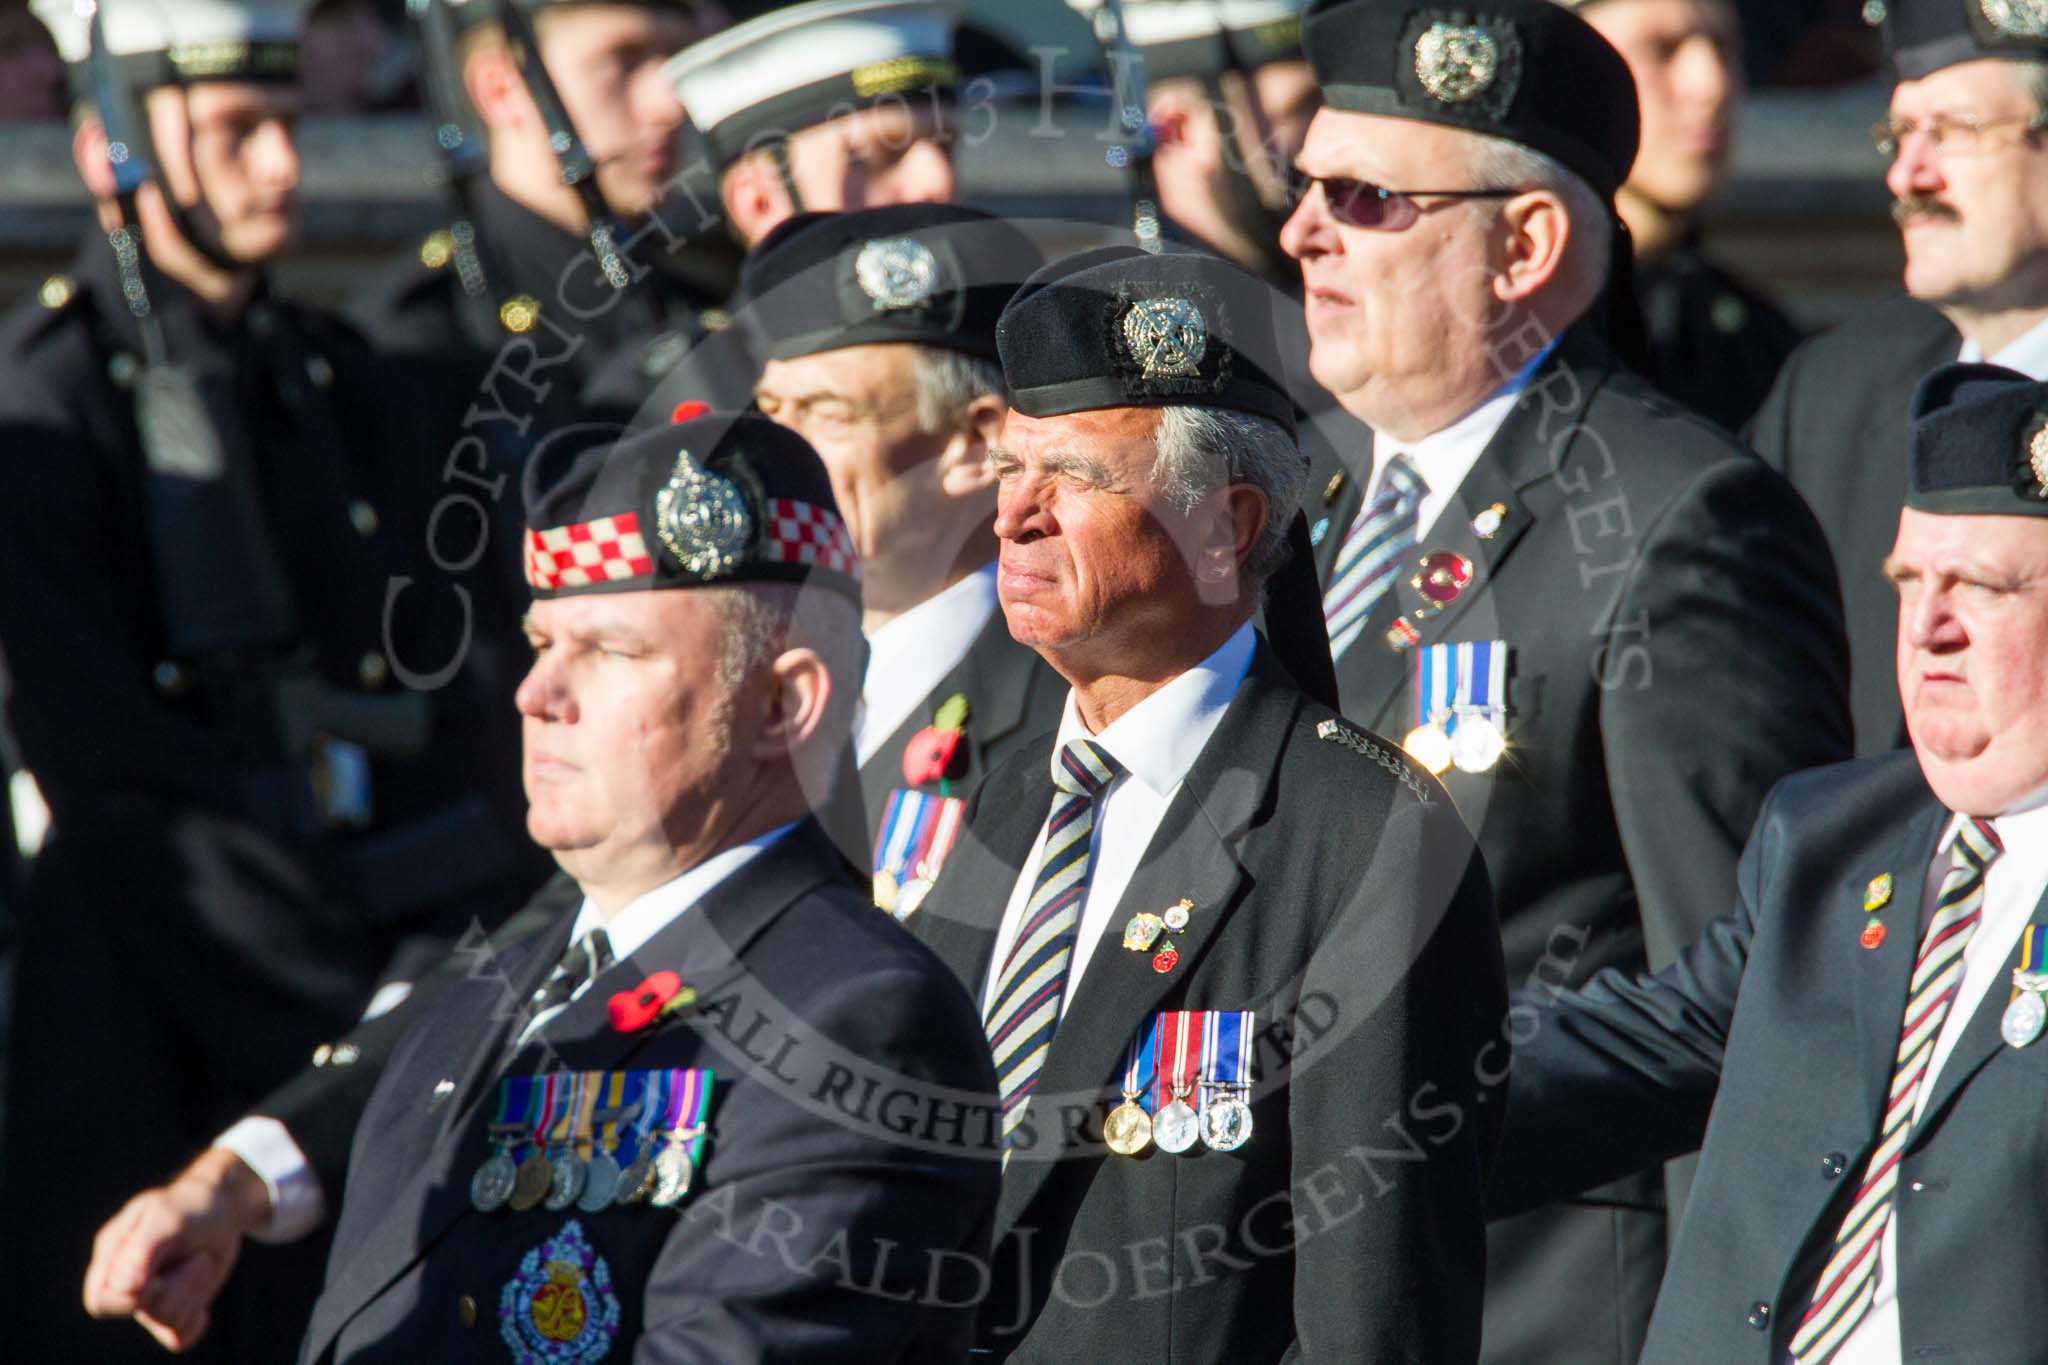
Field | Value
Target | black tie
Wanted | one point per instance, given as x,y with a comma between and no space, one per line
581,962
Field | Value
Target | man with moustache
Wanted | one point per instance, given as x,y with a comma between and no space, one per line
1233,953
1717,341
1969,180
206,511
1571,595
1857,1040
878,328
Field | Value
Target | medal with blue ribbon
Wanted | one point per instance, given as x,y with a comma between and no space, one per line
1128,1129
491,1186
1460,706
917,832
1226,1080
620,1101
636,1182
2026,1014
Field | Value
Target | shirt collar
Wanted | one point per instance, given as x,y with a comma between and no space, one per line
2028,353
955,615
1444,458
632,927
1160,738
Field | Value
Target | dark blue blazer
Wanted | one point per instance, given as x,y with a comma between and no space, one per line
844,1189
1773,1038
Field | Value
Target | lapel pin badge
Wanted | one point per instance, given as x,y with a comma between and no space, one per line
1487,524
1878,894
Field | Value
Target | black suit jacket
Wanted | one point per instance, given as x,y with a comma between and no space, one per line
1337,895
1013,696
1676,647
1836,426
1779,1025
831,1205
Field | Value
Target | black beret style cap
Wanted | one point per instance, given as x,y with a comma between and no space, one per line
1116,327
1980,443
928,274
716,498
1923,36
1530,71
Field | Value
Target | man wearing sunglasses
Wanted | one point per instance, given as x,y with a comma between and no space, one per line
1969,179
1606,625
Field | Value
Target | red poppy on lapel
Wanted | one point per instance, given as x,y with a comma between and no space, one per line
659,996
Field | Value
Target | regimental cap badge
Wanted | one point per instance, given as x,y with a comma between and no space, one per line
2017,18
1458,63
896,272
2037,456
1167,337
702,518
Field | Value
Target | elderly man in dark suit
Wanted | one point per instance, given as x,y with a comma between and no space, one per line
1235,956
724,1029
1606,624
1858,1040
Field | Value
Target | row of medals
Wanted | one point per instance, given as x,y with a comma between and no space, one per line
2027,1015
1224,1125
1474,747
658,1178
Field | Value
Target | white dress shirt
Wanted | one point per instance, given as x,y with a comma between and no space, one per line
1156,741
298,1204
2012,889
912,654
1444,459
2028,353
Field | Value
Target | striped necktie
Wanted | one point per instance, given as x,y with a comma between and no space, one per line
1033,983
1847,1284
582,962
1373,548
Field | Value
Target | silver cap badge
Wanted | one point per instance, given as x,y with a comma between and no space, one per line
1457,65
2017,18
896,272
702,518
1167,337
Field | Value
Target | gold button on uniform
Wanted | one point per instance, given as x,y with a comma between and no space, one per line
437,249
465,1311
372,671
363,517
56,291
519,313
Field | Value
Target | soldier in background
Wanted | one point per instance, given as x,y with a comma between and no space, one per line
1716,340
204,525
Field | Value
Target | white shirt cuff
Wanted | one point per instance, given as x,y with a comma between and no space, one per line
297,1205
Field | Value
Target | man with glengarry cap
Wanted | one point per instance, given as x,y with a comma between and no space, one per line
1858,1040
879,332
207,506
1966,142
1230,949
1607,625
652,1130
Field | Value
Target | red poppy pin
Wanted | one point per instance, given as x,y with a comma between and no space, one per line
660,996
934,752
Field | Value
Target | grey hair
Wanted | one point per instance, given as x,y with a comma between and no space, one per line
1201,450
1498,164
2033,80
764,619
947,381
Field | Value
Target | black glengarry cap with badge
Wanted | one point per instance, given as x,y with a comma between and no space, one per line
1116,327
716,498
1924,36
1980,444
925,274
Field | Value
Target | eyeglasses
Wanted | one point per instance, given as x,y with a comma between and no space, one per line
1362,204
1949,135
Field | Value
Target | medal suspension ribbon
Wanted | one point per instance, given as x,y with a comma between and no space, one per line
1180,1054
567,1088
590,1086
2033,952
614,1105
549,1090
654,1099
899,829
516,1096
1141,1067
690,1100
1226,1053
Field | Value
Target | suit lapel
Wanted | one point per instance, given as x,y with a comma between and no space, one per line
1881,975
1189,857
1374,674
961,917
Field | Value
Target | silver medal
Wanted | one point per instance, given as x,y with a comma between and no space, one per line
672,1175
492,1184
1175,1128
1226,1124
2023,1020
600,1183
565,1182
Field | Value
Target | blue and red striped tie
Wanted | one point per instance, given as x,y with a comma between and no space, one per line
1373,549
1848,1283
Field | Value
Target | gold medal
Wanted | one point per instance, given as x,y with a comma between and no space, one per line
1429,746
636,1182
885,891
1128,1129
532,1183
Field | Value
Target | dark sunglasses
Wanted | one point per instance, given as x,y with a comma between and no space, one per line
1362,204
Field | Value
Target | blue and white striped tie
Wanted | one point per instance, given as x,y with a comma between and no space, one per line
1026,1010
1373,549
